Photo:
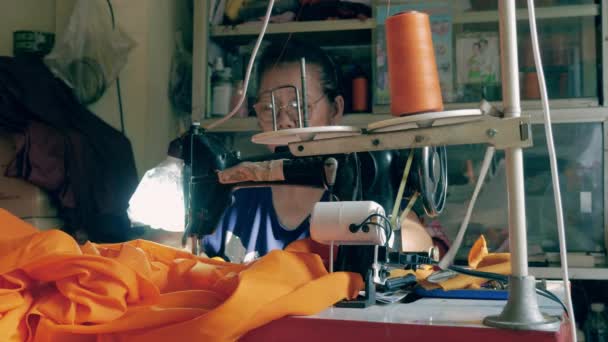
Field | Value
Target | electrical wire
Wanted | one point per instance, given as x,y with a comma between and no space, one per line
249,69
388,231
553,162
550,295
504,279
289,35
118,92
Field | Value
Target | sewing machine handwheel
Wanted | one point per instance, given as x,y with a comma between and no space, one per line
433,179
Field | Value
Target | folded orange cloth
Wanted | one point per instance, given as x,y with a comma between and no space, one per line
479,259
51,289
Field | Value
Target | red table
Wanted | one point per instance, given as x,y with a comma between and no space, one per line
429,319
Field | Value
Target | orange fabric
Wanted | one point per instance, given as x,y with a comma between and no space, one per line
478,251
51,289
479,259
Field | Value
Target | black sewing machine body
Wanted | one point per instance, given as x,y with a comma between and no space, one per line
371,176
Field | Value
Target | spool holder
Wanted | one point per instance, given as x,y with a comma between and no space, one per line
500,133
274,105
301,104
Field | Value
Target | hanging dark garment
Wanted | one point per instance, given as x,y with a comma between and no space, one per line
84,163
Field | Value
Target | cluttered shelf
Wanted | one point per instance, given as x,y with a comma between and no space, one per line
324,26
253,28
324,32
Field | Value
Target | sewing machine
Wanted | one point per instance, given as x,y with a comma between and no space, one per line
350,178
348,146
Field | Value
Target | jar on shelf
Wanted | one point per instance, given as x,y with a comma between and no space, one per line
221,89
360,93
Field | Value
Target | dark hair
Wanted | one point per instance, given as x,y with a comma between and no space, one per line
291,52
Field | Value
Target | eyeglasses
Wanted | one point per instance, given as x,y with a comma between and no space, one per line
264,108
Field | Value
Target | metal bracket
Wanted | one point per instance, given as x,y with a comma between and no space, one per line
525,131
500,133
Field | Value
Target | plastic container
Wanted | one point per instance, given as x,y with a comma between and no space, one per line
596,325
221,89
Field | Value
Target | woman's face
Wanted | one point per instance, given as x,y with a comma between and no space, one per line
322,111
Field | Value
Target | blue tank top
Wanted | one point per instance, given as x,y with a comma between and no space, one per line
250,228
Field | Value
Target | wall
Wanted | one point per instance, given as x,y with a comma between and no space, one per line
24,15
149,120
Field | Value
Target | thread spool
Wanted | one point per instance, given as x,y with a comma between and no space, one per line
359,94
412,69
531,86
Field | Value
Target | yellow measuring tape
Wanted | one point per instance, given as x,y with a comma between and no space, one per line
397,204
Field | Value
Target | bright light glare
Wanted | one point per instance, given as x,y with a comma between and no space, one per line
158,201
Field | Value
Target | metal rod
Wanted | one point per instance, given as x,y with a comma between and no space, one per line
199,60
513,156
274,111
299,105
304,94
195,248
604,47
521,311
331,257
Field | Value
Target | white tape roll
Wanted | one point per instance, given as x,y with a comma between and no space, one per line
330,221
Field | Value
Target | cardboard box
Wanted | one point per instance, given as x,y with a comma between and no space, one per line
16,195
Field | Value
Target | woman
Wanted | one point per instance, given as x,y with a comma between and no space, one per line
263,219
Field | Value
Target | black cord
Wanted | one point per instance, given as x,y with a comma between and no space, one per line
118,92
111,13
502,278
550,295
479,274
367,221
122,116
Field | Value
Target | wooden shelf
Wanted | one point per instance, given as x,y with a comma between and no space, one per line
553,12
323,32
253,28
345,25
574,273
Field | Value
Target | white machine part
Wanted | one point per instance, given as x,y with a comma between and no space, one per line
330,223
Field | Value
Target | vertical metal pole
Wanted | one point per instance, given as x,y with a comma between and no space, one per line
513,156
199,59
273,103
604,47
605,134
522,311
304,94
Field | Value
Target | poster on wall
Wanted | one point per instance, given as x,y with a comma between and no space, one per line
441,27
478,73
476,56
